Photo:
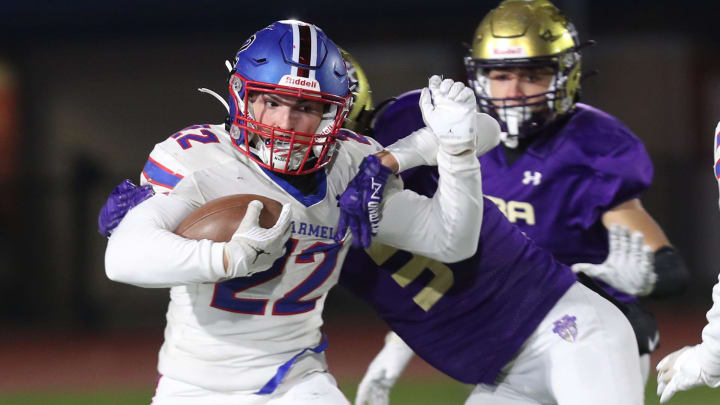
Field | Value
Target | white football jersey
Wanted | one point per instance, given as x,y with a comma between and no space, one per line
233,335
272,315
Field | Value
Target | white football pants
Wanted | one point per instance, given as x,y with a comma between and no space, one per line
599,366
317,388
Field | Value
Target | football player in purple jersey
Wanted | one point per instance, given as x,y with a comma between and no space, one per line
693,366
511,319
568,175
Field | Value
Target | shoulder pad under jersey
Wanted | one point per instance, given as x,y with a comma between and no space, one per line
356,146
184,152
598,133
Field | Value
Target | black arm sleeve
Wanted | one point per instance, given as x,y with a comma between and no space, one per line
672,274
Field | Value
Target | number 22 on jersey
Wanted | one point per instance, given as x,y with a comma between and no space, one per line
229,294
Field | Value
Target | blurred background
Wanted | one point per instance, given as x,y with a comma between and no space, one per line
87,88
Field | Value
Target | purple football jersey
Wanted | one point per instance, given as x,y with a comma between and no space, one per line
467,319
560,187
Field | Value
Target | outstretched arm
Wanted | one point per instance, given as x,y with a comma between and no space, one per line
446,227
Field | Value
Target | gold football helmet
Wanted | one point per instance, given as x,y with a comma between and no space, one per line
526,34
358,120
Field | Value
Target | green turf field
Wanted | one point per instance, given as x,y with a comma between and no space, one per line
405,393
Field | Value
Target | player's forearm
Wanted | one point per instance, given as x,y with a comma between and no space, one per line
143,250
417,149
388,160
446,227
458,202
632,214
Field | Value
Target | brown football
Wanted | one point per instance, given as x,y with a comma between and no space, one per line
218,219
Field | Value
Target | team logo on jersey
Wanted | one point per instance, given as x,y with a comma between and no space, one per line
566,328
531,178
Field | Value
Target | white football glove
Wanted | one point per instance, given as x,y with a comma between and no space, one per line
630,265
420,148
252,248
682,370
384,370
448,109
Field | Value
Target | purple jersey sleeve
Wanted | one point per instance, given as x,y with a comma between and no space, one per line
621,165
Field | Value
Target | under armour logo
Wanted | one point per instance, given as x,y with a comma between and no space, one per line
532,177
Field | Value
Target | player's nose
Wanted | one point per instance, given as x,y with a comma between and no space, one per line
284,119
514,88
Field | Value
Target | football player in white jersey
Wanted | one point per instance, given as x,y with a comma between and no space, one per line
700,364
243,323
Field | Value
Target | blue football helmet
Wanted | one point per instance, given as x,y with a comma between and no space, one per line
288,58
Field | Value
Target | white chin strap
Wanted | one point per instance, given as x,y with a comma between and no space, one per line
280,155
325,127
511,141
513,118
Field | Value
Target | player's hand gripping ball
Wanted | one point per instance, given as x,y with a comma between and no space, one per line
218,219
255,228
360,202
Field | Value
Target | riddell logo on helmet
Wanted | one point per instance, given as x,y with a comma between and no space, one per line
511,51
301,82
